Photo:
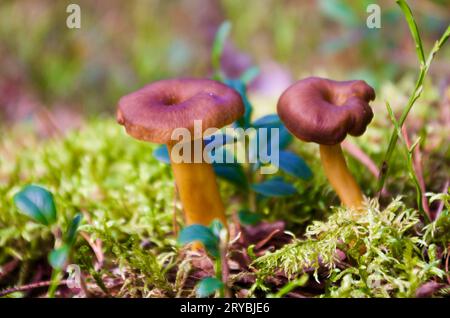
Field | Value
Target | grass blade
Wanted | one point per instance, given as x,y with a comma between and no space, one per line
413,29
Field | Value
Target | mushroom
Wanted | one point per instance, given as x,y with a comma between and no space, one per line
153,112
324,111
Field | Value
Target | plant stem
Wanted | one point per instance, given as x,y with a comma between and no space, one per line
424,67
55,281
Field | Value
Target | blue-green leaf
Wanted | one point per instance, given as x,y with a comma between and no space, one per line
273,121
294,165
58,257
218,140
247,217
201,233
285,137
71,233
162,154
240,87
208,286
216,226
231,172
37,203
274,187
268,121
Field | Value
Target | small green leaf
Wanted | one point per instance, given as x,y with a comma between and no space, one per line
291,286
274,187
339,11
71,234
413,29
208,286
249,75
268,121
231,172
201,233
241,88
273,121
58,257
285,138
162,154
294,165
247,217
216,226
218,45
37,203
218,140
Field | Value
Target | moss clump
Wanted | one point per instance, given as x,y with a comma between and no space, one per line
99,171
385,252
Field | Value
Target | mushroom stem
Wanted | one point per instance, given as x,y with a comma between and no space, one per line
341,180
199,192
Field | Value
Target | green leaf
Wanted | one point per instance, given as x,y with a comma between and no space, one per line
58,257
162,154
247,217
339,11
418,88
274,187
285,137
71,234
249,75
241,88
291,286
413,29
274,121
231,172
218,46
37,203
218,140
208,286
268,121
201,233
294,165
216,226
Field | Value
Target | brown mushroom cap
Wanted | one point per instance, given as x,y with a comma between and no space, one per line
154,111
325,111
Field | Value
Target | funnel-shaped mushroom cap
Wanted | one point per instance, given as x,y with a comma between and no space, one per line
325,111
156,110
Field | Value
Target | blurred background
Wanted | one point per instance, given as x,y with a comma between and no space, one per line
65,75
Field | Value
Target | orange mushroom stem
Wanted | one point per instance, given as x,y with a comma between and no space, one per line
198,191
339,176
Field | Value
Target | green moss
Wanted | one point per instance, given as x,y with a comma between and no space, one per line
127,198
99,171
385,252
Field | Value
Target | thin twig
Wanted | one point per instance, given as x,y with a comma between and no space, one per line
49,122
8,268
96,247
28,287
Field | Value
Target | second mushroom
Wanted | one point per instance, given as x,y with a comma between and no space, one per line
324,111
